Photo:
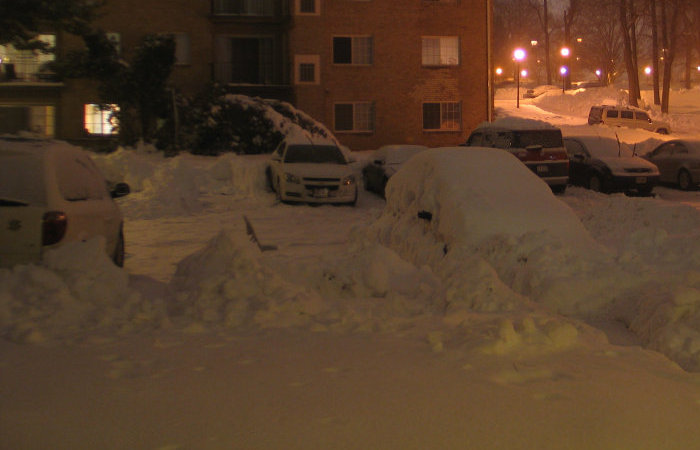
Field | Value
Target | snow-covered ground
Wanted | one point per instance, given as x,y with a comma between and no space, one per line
511,319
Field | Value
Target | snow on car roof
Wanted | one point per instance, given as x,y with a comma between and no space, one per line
517,123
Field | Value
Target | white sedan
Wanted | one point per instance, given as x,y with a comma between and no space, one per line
52,193
312,173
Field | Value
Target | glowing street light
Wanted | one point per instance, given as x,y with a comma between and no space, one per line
519,55
565,52
563,70
647,70
523,73
499,71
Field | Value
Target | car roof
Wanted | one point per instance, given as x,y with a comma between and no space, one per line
515,123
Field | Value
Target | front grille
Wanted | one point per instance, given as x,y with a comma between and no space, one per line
324,186
638,170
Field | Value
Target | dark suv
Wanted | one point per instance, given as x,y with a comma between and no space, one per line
537,144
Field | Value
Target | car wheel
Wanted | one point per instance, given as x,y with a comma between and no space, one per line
595,183
354,202
685,180
118,256
662,131
558,189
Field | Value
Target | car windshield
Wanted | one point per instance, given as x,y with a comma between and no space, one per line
545,138
314,154
20,181
608,148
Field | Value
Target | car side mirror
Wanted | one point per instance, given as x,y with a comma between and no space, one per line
120,190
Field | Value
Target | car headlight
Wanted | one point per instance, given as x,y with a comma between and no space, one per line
291,178
350,179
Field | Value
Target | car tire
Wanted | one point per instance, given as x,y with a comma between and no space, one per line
685,180
595,183
558,189
662,131
118,256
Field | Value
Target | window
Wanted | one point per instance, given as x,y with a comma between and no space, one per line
116,40
182,49
354,117
246,60
440,51
99,120
27,65
612,113
443,116
307,69
311,7
626,115
352,50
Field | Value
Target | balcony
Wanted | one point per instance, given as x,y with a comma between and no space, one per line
250,11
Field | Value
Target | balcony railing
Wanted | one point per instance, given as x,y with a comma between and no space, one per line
263,74
254,8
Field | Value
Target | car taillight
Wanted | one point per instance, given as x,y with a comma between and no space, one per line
53,227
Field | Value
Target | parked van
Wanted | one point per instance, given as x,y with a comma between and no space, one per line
623,116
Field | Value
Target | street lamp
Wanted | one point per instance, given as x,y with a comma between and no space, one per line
565,52
563,70
518,55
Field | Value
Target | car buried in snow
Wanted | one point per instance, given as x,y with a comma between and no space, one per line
311,172
52,193
385,162
536,144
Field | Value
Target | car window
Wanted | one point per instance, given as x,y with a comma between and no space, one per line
664,150
627,114
547,138
574,148
20,177
78,178
611,114
641,115
504,139
476,139
679,149
314,154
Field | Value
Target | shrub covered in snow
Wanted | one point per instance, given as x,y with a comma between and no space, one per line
218,121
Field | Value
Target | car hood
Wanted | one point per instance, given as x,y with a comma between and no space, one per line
318,170
634,162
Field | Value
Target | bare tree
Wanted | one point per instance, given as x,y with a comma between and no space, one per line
601,41
628,20
654,50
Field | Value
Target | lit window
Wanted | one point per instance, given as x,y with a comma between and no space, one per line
440,51
354,117
101,120
27,65
442,116
352,50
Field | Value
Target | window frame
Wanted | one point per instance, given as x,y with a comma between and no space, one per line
427,62
371,118
103,122
298,8
354,48
441,118
299,60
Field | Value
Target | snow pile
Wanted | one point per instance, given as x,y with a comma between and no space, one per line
76,292
224,285
167,187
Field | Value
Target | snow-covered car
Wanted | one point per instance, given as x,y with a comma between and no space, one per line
624,116
537,144
678,161
606,165
384,162
313,173
52,193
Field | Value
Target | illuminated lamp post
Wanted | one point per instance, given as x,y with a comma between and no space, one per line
563,70
565,52
518,55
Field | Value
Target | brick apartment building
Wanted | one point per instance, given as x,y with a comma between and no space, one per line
373,71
